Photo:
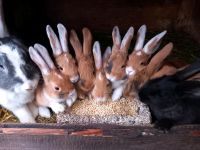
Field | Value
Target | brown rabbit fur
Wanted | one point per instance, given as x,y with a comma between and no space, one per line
64,60
102,87
85,61
115,66
140,56
152,70
56,87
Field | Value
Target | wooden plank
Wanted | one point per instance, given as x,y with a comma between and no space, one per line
97,137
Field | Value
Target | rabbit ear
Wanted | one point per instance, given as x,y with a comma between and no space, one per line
127,39
154,43
3,28
97,55
35,56
116,38
54,42
140,38
63,37
75,44
107,54
45,55
157,60
87,41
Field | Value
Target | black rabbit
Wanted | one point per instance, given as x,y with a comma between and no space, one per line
172,99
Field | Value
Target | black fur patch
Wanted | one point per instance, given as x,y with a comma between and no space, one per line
7,71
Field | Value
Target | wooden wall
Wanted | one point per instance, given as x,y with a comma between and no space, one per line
28,19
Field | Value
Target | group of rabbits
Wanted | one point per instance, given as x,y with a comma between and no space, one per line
164,88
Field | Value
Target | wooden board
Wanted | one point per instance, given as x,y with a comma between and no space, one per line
94,137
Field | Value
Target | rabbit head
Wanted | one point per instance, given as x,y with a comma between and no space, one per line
102,87
115,66
84,58
64,60
154,66
140,56
17,71
56,85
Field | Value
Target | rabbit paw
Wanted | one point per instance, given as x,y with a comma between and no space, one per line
34,109
58,108
24,114
69,102
117,93
44,112
71,98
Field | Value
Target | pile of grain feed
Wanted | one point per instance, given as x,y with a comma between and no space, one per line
126,111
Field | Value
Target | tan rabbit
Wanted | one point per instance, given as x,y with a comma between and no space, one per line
56,89
115,66
85,61
140,56
102,87
153,68
64,61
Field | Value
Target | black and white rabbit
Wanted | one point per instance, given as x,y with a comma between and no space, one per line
19,76
172,99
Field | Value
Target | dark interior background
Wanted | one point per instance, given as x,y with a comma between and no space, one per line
27,19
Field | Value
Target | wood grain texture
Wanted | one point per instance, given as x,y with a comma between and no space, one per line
25,136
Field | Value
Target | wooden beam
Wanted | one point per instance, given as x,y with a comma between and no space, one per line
53,136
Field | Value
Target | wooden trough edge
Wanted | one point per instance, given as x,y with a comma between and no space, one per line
90,137
94,130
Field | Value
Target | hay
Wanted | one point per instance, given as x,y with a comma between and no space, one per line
8,117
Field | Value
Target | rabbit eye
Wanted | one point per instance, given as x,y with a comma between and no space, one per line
142,63
123,66
1,66
57,88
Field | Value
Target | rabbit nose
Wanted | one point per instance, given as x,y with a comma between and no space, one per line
74,79
61,95
130,71
29,87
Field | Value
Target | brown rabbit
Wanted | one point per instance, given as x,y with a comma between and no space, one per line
56,88
115,66
154,68
102,87
64,61
85,61
140,56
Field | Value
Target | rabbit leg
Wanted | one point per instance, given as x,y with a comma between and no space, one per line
34,109
57,107
24,114
44,112
117,93
71,98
